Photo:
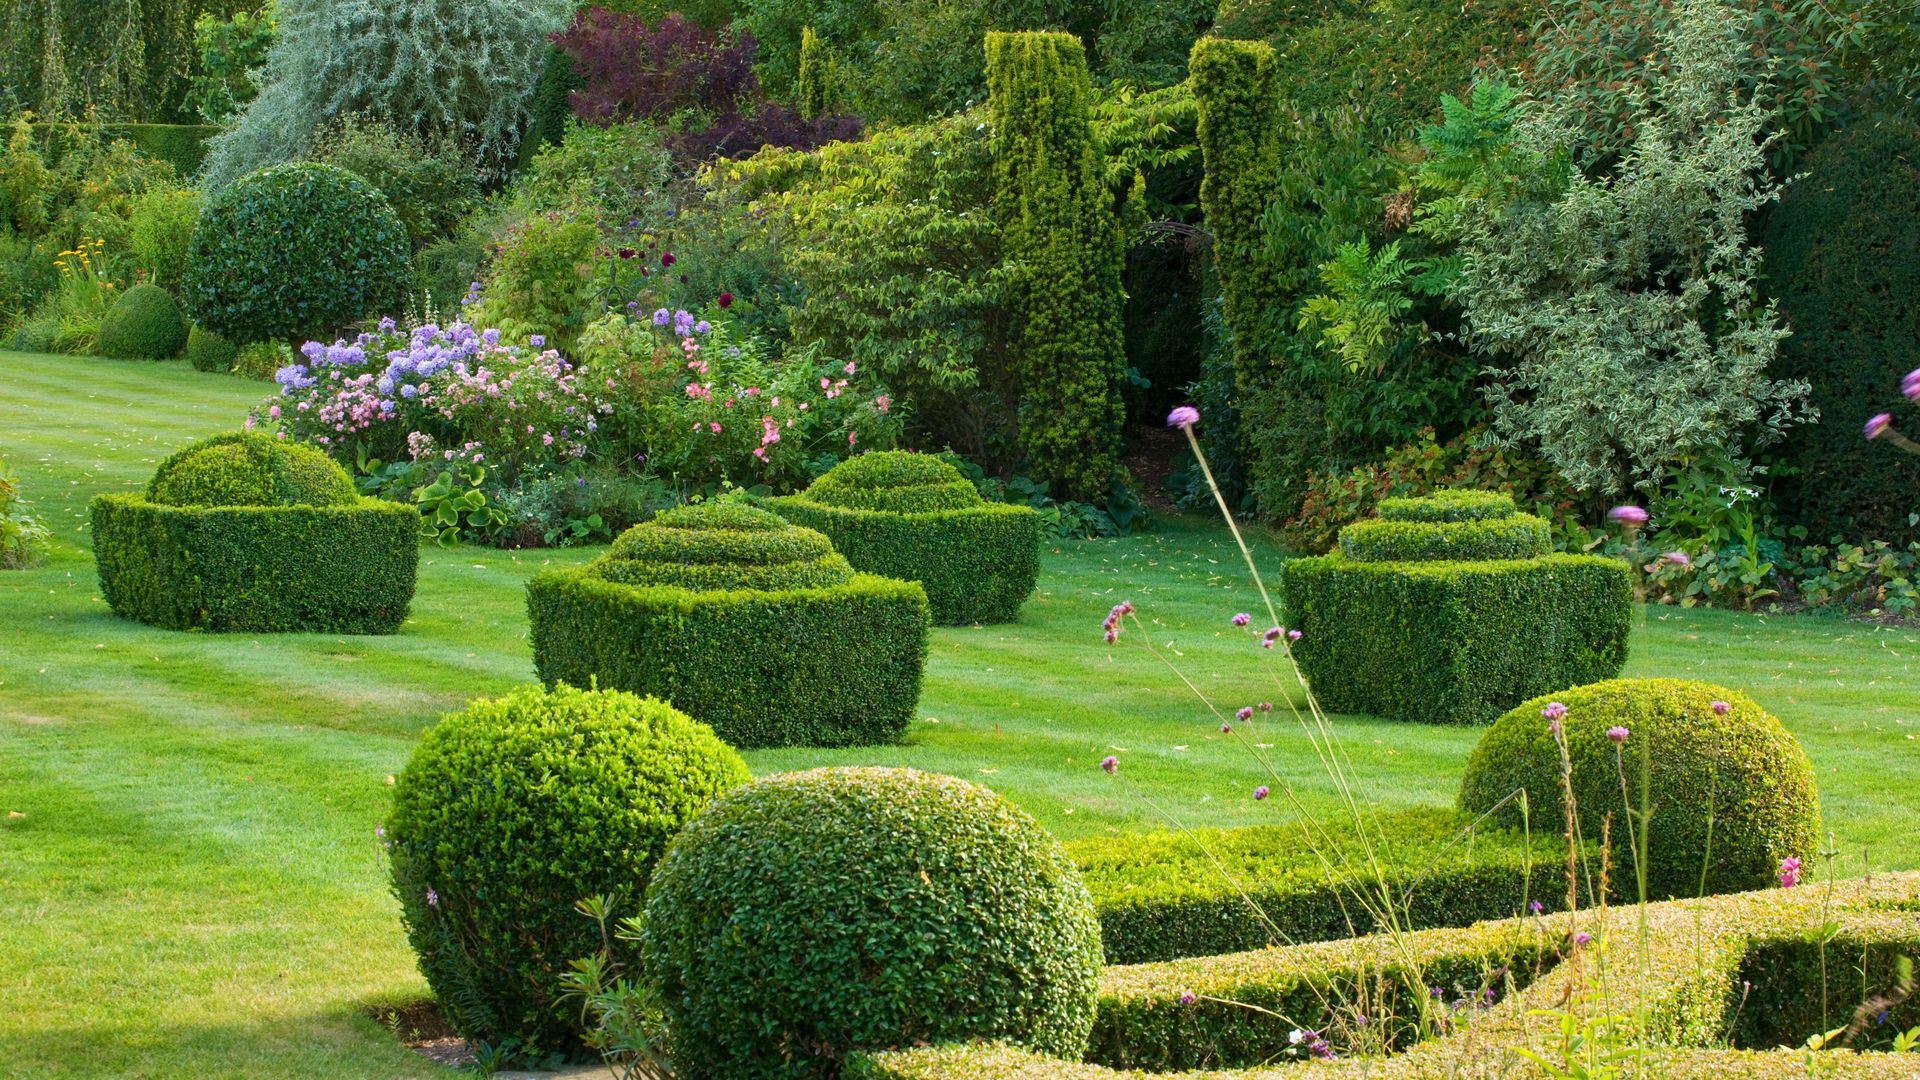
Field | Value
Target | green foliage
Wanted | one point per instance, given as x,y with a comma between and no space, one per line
245,468
294,251
143,324
915,517
453,72
1731,794
253,569
1841,260
233,51
924,909
454,507
260,359
1449,505
745,622
618,174
429,188
117,59
1452,641
23,536
160,231
550,108
208,351
1162,896
544,279
1624,307
814,89
578,794
1065,251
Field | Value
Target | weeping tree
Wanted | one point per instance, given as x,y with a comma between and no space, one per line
1064,252
453,72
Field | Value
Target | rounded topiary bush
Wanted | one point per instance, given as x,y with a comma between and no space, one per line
511,812
143,324
746,622
1732,793
297,250
245,468
808,915
915,517
208,351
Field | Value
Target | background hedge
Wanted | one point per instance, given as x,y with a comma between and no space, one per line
1732,794
341,569
513,810
806,915
915,517
1162,896
790,664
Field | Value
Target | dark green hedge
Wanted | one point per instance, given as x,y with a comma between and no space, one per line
1450,504
838,666
1162,896
1454,642
977,565
184,146
339,569
1521,536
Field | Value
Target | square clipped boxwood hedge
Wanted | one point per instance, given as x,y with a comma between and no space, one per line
1453,610
750,625
915,517
1701,958
242,533
1162,896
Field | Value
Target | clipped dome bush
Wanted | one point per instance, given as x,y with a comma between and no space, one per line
208,351
245,532
749,624
577,795
915,517
812,914
1452,608
143,324
296,250
1732,793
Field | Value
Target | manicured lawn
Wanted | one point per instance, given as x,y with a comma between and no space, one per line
193,888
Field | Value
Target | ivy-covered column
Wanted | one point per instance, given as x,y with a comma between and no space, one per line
1064,253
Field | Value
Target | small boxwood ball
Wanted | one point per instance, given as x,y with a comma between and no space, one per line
1731,791
510,813
143,324
808,915
208,351
246,468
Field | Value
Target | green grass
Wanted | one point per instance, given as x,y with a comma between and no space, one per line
194,889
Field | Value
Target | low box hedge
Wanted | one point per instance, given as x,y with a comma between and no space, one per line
747,624
1162,896
1695,968
264,569
1394,625
915,517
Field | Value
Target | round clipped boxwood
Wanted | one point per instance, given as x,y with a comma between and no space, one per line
915,517
208,351
743,621
244,532
514,810
808,915
297,250
1732,763
144,324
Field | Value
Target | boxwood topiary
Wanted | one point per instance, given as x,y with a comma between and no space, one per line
143,324
243,532
208,351
296,250
808,915
1732,793
914,516
515,809
747,623
1445,614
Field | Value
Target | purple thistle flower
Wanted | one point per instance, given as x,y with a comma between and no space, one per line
1628,515
1272,635
1110,764
1242,619
1537,907
1183,417
1225,728
1721,708
1186,997
1554,710
1293,635
1618,734
1910,386
1582,938
1245,713
1266,706
1260,793
1678,558
1877,425
1789,872
433,898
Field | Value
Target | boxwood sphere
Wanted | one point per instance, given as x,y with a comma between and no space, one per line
515,809
1735,763
722,545
811,914
143,324
208,351
296,250
897,480
246,468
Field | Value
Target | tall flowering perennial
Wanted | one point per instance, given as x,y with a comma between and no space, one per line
1880,425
